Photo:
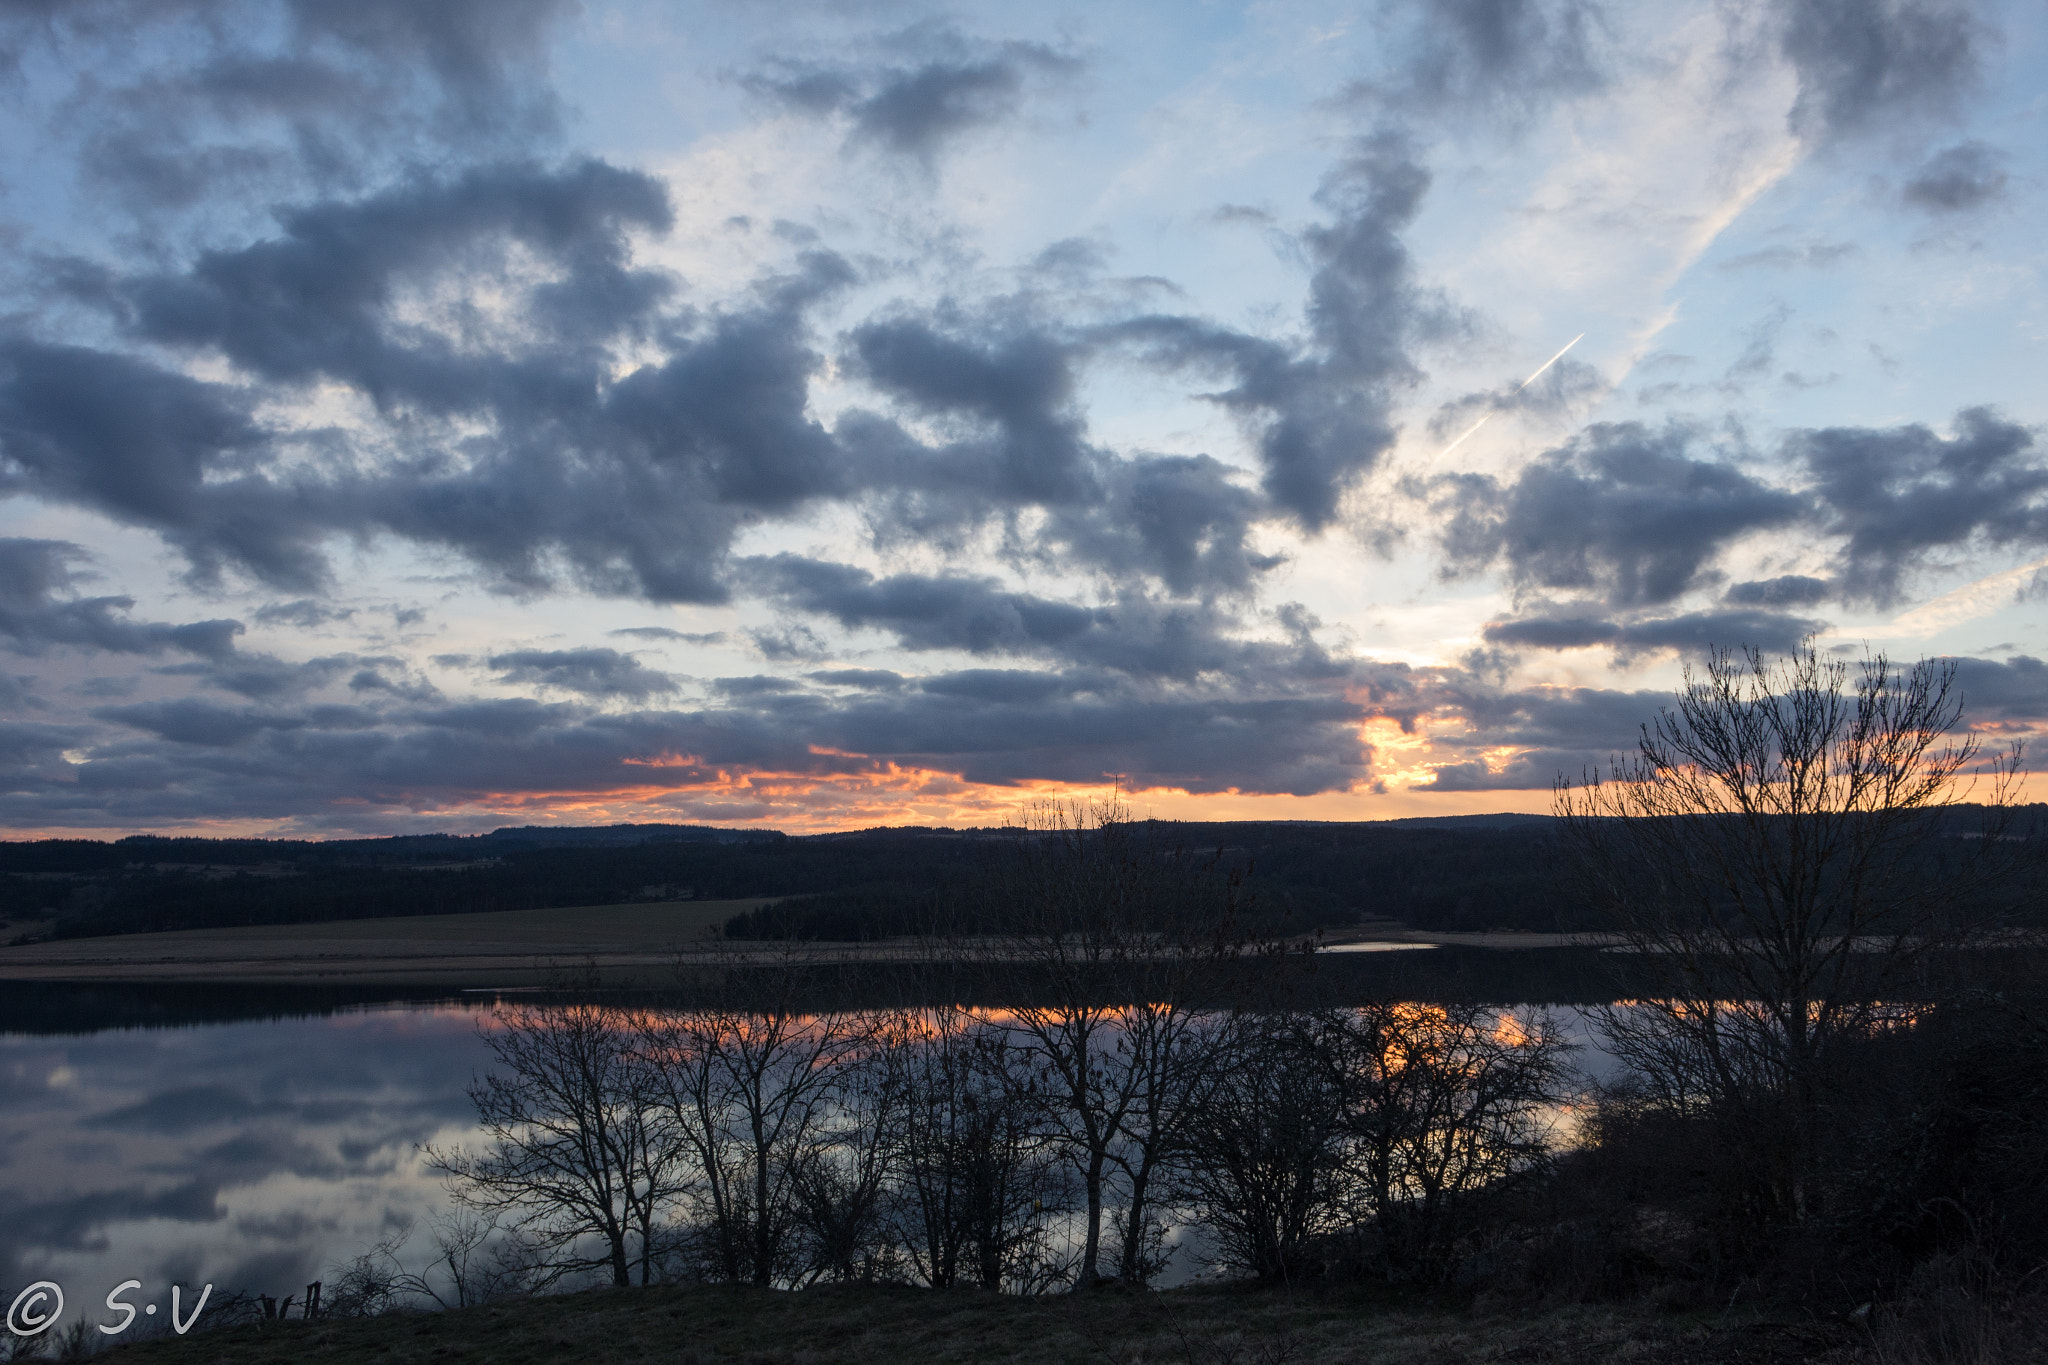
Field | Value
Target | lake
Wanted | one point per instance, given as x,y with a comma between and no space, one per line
213,1135
254,1154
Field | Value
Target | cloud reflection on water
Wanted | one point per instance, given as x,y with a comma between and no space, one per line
262,1154
256,1155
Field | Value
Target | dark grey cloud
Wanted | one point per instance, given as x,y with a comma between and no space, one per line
333,766
508,442
1132,634
1789,590
1691,632
1956,179
937,85
2013,690
34,749
713,637
276,97
38,610
589,672
1621,510
1003,391
15,696
975,614
317,300
264,677
1019,384
1634,518
476,47
138,444
1005,686
1180,519
196,722
1897,494
1865,63
1501,56
1321,411
380,681
1553,632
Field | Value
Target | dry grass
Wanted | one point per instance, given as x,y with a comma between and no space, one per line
699,1326
634,943
641,924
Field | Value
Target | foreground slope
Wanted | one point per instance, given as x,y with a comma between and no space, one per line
874,1324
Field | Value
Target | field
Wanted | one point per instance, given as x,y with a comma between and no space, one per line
513,947
877,1324
634,944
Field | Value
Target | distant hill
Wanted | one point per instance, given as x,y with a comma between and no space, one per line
1471,872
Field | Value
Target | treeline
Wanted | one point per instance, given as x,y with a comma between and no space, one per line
1053,1147
1484,873
1024,1151
864,885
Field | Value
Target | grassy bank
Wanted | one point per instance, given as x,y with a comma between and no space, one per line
1207,1326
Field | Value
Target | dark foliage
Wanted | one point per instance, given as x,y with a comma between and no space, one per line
1495,873
871,884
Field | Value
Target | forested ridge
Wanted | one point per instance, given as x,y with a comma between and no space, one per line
1462,873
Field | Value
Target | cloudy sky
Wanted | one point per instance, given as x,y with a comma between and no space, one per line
439,414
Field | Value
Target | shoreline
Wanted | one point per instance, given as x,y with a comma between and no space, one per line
625,945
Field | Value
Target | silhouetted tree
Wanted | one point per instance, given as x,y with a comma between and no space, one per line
978,1181
1120,939
747,1085
577,1148
1263,1167
1442,1105
1782,842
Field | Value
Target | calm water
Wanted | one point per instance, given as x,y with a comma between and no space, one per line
257,1154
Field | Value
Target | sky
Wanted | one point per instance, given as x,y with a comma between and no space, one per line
444,414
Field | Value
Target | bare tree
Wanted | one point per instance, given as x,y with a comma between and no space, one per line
844,1174
1118,939
747,1086
1784,842
1442,1106
1169,1047
1263,1164
977,1184
473,1262
577,1148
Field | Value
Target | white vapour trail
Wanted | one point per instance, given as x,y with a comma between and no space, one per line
1518,388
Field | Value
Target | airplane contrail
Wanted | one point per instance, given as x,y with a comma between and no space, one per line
1518,388
1552,361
